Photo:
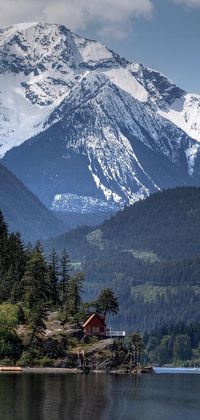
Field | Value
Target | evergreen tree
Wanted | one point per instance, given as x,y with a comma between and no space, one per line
136,346
165,350
107,302
73,298
28,250
3,239
182,347
65,268
16,267
54,276
12,263
3,257
36,296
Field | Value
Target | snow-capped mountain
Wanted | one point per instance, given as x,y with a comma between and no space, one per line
92,129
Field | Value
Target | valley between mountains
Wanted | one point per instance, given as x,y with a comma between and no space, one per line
85,136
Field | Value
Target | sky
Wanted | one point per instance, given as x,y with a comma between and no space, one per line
161,34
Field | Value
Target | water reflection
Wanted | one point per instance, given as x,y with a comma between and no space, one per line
99,397
52,396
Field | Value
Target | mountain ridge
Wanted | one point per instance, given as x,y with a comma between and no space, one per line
95,113
170,214
23,211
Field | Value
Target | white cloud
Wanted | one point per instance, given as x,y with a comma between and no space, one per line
113,17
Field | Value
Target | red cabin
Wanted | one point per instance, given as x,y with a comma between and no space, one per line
95,325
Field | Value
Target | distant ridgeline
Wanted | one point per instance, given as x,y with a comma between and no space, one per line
23,211
149,253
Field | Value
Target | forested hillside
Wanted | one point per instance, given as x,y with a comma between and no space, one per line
166,223
176,345
149,253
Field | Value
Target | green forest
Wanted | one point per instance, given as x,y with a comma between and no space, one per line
37,293
149,253
175,345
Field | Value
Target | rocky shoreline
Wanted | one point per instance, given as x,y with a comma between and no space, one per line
136,371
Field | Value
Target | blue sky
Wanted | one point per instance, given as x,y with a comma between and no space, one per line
162,34
169,41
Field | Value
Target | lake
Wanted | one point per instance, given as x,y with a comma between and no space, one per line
52,396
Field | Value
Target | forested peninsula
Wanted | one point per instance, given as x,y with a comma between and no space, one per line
42,313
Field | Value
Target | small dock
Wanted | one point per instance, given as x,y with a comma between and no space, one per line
10,369
84,364
116,334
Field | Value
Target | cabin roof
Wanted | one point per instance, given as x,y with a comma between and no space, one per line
93,316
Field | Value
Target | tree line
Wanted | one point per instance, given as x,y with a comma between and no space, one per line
173,345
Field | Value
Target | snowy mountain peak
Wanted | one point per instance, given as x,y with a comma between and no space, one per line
24,26
79,103
39,41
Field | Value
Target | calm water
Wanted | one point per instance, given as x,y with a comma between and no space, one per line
99,397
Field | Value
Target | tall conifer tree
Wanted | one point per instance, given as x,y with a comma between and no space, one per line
65,268
36,296
54,276
73,297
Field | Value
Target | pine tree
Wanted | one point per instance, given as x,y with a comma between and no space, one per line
107,302
3,234
36,296
73,298
54,276
16,267
4,257
65,268
29,250
12,263
136,346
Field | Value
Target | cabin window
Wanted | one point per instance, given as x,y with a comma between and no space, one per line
95,329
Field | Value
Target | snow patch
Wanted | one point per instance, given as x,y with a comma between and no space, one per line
92,52
19,118
126,81
185,114
109,194
24,26
191,154
74,203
